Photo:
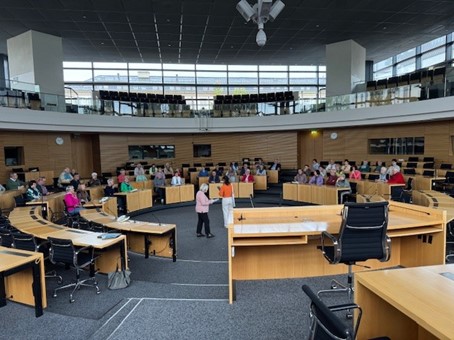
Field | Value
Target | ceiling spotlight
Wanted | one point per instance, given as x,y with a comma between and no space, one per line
260,13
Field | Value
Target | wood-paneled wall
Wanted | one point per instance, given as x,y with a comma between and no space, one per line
225,147
104,152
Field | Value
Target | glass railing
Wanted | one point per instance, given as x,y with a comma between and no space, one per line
25,95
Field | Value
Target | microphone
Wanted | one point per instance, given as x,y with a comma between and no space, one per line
156,217
252,202
241,218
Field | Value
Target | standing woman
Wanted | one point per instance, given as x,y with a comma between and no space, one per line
202,206
226,192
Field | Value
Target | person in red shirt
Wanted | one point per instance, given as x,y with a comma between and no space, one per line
247,177
332,178
396,177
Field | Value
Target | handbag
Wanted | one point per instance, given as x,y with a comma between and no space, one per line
118,279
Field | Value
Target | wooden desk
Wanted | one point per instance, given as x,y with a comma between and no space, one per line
436,200
316,194
137,200
260,182
410,303
53,203
30,175
96,192
29,220
290,191
7,202
260,249
425,183
142,185
273,176
179,193
245,190
22,278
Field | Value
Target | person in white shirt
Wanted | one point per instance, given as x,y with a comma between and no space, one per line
176,179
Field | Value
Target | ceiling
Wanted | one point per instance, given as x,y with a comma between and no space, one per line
213,32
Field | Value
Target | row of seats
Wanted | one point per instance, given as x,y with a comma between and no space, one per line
20,99
255,98
433,76
141,97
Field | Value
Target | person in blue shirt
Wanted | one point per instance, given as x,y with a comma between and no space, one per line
316,179
204,173
214,177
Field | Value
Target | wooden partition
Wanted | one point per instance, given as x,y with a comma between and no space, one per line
316,194
273,243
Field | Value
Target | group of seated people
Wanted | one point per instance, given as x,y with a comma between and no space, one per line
335,173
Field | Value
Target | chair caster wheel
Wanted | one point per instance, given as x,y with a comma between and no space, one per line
71,300
55,295
349,316
333,286
98,292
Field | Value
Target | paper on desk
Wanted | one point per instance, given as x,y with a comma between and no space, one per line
280,227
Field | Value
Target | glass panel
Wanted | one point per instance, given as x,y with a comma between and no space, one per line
322,68
383,64
187,91
322,78
272,68
419,145
157,89
433,44
433,57
243,90
14,155
211,91
151,151
211,67
303,78
405,55
201,150
273,78
379,146
111,87
211,77
146,66
178,66
76,64
83,91
77,75
243,78
110,65
145,76
179,77
120,76
303,68
406,66
242,67
270,89
397,146
383,73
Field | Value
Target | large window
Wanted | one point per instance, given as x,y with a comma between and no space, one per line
397,146
151,151
202,150
14,155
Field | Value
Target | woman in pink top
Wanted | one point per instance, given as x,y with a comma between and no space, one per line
355,173
201,207
72,203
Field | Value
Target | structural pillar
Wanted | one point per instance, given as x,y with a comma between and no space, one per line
36,58
345,67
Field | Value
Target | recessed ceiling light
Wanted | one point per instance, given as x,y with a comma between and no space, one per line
102,43
384,27
84,17
170,45
168,20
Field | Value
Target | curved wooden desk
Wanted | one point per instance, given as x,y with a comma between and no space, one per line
436,200
29,220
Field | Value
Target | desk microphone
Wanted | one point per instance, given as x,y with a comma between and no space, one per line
241,218
156,217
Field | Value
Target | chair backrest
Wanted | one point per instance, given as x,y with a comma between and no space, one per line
362,234
6,238
61,251
325,324
24,242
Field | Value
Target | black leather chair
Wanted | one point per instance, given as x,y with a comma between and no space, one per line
362,236
28,242
63,251
6,238
325,323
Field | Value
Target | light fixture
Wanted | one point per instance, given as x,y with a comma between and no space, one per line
262,12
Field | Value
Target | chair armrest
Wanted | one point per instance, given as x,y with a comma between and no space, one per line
387,247
82,249
337,251
349,306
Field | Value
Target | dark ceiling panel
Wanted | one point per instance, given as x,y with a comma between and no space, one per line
300,33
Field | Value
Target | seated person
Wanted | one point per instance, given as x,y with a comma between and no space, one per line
315,165
247,177
231,174
346,168
260,170
276,165
32,193
14,183
139,172
176,179
41,186
75,181
307,170
94,180
355,173
65,178
82,194
396,177
168,169
72,203
364,167
219,170
316,179
332,178
378,166
153,169
159,181
125,186
244,168
383,176
121,176
331,166
322,171
342,182
204,172
300,177
393,166
214,177
110,188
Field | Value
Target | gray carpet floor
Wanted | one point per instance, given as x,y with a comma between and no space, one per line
187,299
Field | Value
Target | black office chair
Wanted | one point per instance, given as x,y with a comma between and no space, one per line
28,242
71,220
63,251
20,200
403,194
450,242
362,236
6,238
325,324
